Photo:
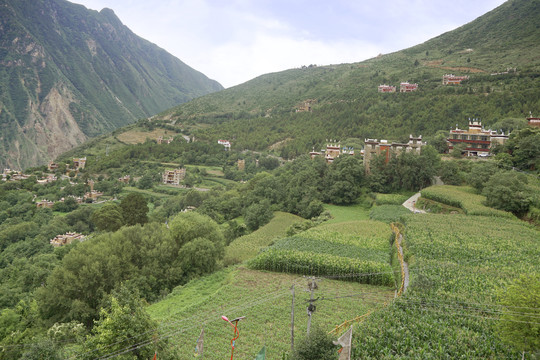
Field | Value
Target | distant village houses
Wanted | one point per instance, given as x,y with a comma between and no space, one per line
44,204
332,151
477,140
79,163
375,147
241,165
160,140
174,177
386,88
533,121
406,87
52,166
66,239
125,179
306,106
226,144
450,79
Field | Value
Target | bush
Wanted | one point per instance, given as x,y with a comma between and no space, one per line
317,345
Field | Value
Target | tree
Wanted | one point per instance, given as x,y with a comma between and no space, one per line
458,150
439,141
186,227
450,173
508,191
258,214
69,204
480,174
108,218
134,209
123,324
522,301
145,182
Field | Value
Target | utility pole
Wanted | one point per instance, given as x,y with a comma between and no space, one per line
292,321
312,286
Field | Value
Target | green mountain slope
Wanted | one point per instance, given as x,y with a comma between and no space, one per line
68,73
261,112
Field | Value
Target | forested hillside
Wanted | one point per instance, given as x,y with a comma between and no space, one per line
345,102
68,74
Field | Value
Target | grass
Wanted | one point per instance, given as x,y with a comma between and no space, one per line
248,246
346,213
265,300
463,197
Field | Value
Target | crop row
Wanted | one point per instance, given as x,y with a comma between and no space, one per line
343,250
348,250
310,263
457,266
463,197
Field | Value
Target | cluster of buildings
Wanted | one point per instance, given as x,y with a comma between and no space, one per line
66,239
374,147
451,79
332,151
306,106
161,140
477,140
447,79
174,177
403,87
226,144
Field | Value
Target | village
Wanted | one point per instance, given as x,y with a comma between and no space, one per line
475,141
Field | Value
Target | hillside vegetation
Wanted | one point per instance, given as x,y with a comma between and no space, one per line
261,113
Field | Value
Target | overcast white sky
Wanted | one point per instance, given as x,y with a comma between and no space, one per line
233,41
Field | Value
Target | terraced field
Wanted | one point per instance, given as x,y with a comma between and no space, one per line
457,265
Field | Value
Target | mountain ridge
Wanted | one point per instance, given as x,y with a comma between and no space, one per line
107,76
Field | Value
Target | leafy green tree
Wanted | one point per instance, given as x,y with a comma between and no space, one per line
134,209
42,348
122,324
508,191
450,173
258,214
108,218
186,227
524,146
146,181
457,151
522,302
439,141
69,204
480,174
344,180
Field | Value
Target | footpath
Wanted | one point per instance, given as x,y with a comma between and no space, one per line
411,202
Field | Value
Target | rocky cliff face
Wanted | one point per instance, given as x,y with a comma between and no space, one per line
68,73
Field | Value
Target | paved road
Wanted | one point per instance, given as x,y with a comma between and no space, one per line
410,204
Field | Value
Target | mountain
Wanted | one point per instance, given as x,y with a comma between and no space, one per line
261,114
68,73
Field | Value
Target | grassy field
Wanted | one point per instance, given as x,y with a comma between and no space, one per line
247,247
265,299
346,213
